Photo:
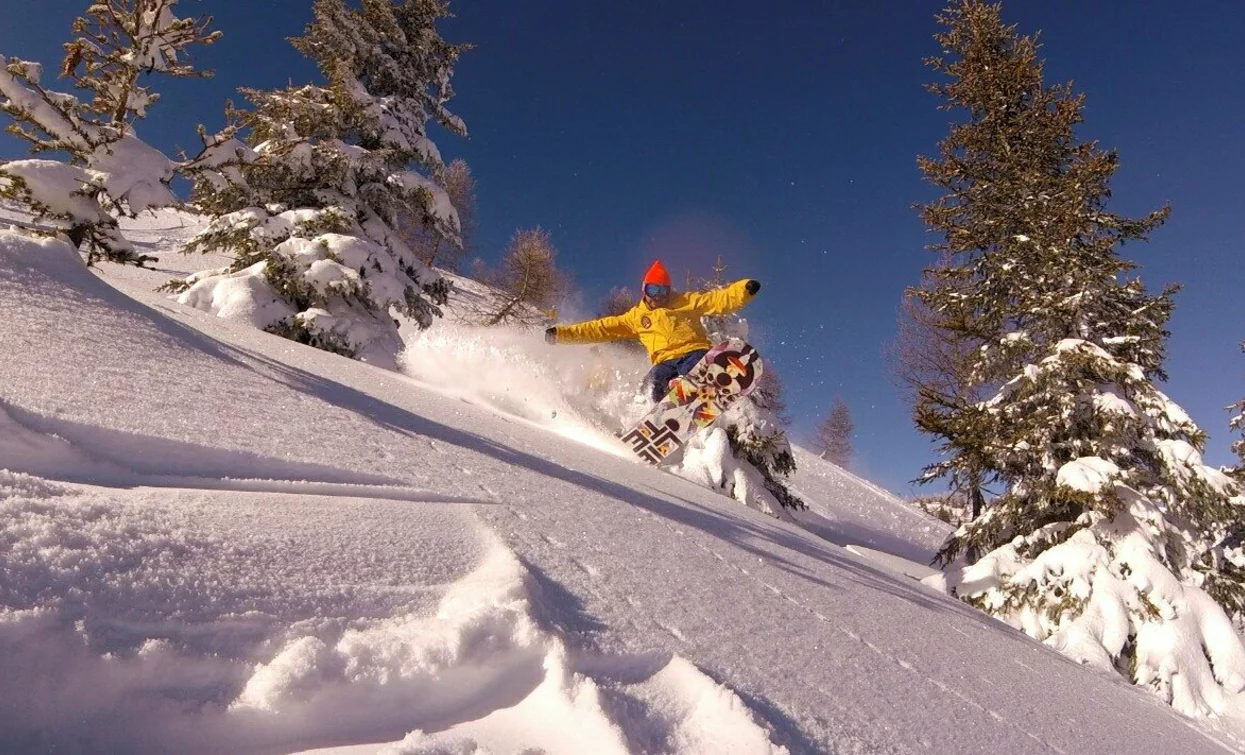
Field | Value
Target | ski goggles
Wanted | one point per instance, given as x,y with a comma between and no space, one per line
656,290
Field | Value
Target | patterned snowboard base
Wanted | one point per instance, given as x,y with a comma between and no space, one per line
730,371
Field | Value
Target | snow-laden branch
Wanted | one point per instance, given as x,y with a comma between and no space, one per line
55,115
111,171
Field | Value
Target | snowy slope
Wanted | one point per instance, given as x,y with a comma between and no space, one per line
214,540
849,510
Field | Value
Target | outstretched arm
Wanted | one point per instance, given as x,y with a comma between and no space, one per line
722,301
594,331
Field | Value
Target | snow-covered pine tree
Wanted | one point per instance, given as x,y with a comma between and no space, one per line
1104,540
110,171
834,435
308,203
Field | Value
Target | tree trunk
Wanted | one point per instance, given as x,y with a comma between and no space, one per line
978,503
506,310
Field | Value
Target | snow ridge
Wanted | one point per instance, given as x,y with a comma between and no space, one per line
470,661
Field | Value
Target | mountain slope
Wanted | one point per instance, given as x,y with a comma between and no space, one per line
223,541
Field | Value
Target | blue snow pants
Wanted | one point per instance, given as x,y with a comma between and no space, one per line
658,378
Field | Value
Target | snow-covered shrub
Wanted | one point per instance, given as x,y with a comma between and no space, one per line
756,438
307,200
754,430
1103,592
110,170
710,459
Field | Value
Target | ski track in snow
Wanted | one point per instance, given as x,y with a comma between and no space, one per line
226,542
907,666
41,446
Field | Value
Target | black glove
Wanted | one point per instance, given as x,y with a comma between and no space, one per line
752,287
551,335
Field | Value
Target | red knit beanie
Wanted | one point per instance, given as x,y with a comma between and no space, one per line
657,274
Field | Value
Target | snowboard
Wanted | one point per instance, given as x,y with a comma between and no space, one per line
727,373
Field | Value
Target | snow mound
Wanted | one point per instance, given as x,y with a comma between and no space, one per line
1115,590
243,296
16,484
128,622
484,651
1088,474
135,624
130,627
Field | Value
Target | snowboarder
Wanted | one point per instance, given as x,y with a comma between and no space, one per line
666,321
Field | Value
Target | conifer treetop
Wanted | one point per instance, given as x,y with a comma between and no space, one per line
115,45
387,64
351,143
1023,211
119,37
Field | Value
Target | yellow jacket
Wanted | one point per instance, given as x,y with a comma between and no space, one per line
667,332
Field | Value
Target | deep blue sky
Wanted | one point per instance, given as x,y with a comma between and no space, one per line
784,137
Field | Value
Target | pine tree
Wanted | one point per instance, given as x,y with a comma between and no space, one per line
1238,423
770,395
432,246
527,284
110,171
1103,487
309,202
834,435
930,363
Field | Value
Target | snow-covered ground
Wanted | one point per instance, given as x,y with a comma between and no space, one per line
216,540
